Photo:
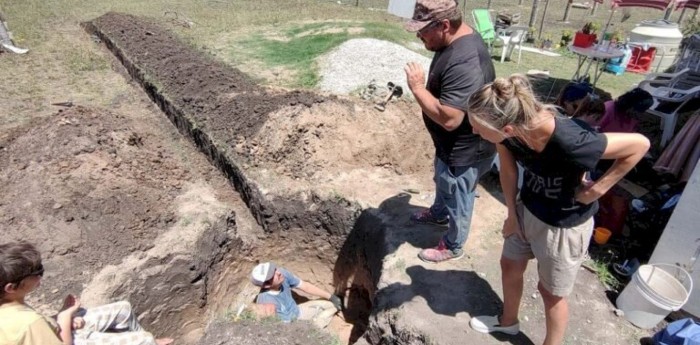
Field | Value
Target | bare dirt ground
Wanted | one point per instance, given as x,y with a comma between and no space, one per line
111,194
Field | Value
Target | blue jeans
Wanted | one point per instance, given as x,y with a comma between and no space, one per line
455,190
438,209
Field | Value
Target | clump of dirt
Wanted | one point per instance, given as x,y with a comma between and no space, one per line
265,332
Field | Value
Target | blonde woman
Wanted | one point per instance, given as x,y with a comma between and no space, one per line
551,218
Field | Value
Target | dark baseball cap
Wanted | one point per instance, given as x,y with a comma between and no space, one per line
428,11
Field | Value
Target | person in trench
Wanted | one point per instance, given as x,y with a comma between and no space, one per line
275,298
551,217
21,271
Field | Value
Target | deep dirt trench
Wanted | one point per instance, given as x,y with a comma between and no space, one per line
326,240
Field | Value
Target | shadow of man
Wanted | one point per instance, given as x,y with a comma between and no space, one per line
377,233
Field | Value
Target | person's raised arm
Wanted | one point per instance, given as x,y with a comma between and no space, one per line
508,176
314,290
627,149
448,117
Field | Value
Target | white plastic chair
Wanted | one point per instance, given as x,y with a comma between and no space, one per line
671,91
512,38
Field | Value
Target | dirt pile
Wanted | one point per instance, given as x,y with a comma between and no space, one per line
93,188
83,184
296,134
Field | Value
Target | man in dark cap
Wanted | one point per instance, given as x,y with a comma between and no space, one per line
461,65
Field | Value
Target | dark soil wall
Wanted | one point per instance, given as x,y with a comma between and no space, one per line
212,104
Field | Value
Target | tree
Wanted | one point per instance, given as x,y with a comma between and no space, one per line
544,14
533,13
567,10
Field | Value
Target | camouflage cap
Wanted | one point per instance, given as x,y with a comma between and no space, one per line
427,11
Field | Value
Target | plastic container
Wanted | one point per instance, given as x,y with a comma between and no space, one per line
583,40
654,291
640,61
601,235
617,66
663,35
401,8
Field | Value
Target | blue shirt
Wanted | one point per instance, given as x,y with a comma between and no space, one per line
285,306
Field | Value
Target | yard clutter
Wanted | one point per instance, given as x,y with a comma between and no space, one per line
6,39
654,291
680,332
681,156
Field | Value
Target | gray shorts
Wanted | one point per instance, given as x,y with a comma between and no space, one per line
559,251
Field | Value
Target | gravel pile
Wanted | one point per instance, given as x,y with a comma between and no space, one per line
355,63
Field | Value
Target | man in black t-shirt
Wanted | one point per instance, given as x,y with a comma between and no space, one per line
461,65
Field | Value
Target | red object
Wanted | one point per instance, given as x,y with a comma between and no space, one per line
583,40
692,4
657,4
613,209
640,61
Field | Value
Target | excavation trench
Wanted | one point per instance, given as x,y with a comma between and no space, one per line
322,237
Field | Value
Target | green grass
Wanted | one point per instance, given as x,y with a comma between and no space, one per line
301,45
605,276
80,60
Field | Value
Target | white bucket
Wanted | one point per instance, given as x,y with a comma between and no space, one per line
654,291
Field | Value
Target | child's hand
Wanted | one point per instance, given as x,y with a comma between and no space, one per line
70,305
78,322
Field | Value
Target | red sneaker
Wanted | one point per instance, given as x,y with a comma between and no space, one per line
426,217
440,253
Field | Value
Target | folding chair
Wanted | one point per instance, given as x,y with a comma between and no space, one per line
484,26
671,91
513,38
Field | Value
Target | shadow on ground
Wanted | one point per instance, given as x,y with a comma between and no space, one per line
377,234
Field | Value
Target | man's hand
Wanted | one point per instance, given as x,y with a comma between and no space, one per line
337,303
415,76
78,322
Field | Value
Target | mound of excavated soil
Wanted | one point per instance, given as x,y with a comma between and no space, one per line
286,141
90,187
253,333
85,186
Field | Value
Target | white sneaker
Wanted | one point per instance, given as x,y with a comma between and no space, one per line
488,324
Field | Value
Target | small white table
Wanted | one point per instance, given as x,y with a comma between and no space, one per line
593,54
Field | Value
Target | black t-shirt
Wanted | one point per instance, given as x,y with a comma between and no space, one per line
552,177
455,72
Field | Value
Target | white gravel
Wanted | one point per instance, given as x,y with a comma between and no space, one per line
355,63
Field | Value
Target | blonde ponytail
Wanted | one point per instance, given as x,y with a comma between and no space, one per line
506,101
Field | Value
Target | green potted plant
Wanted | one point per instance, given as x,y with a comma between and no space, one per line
618,36
566,37
585,37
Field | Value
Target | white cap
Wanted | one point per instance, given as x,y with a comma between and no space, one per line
262,273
